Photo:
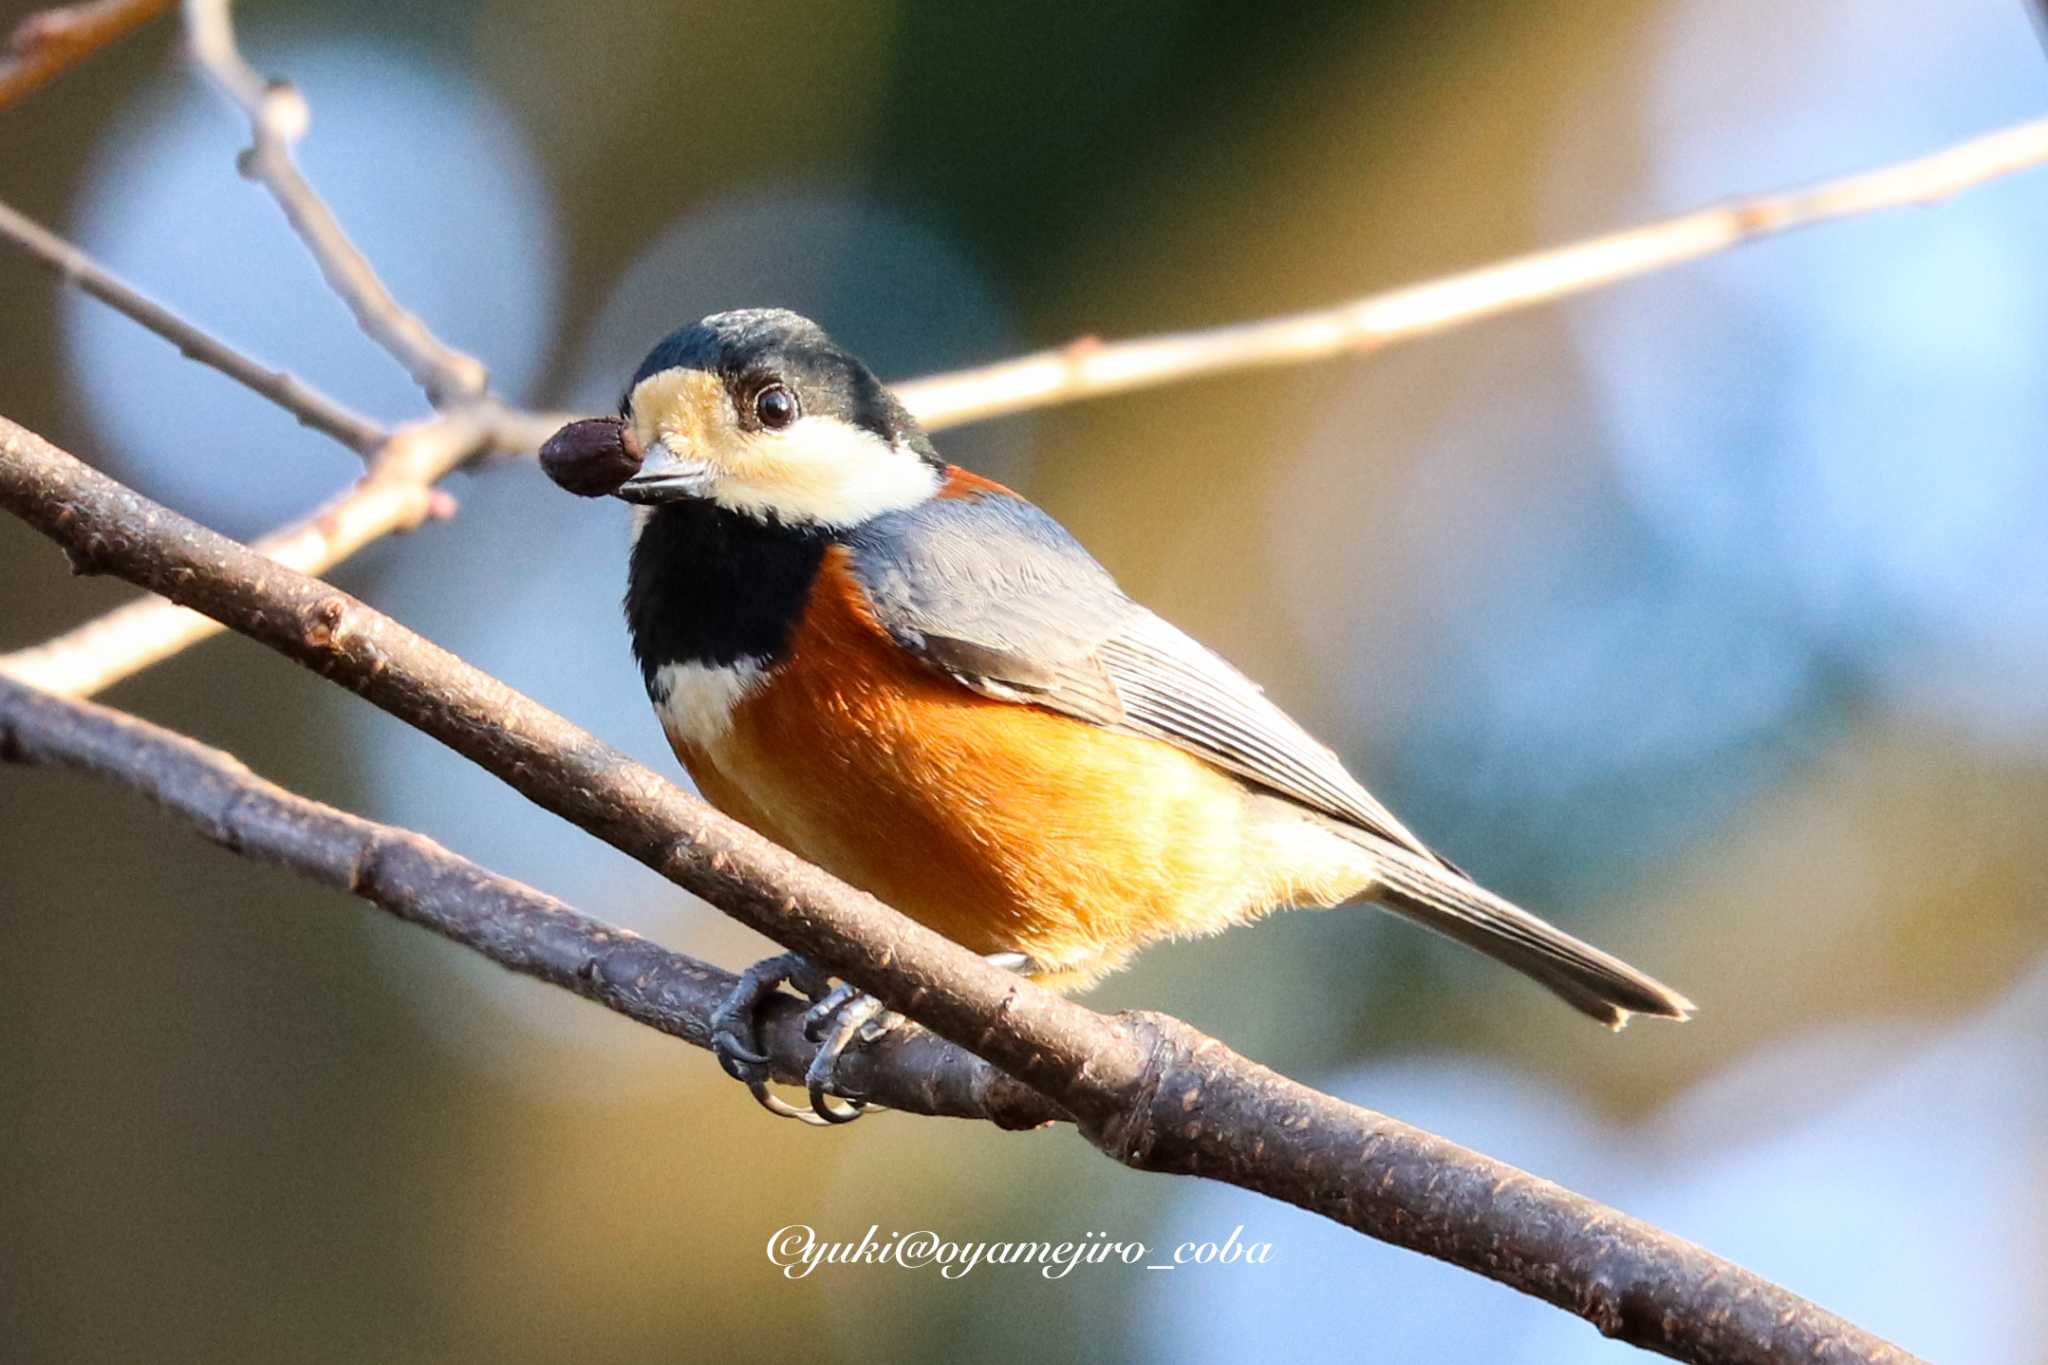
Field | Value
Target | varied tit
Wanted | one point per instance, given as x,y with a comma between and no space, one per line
917,679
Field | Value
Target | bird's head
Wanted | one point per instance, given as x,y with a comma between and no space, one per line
760,412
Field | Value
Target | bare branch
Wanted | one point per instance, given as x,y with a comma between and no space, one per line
1088,368
47,44
1147,1090
278,118
517,927
74,267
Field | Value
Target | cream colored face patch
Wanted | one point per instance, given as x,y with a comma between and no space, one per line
687,408
817,471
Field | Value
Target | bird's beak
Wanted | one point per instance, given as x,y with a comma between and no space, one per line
666,475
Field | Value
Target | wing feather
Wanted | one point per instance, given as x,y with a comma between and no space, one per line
1176,689
991,591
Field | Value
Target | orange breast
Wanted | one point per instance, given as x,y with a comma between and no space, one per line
1003,826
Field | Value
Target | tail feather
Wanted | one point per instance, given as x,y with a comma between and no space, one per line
1593,982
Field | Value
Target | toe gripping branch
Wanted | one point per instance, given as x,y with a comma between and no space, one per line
838,1015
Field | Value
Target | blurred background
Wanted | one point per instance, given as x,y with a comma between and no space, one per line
1708,615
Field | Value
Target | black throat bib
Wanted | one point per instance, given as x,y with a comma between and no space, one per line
710,586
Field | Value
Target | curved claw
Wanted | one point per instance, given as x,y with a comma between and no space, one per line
734,1033
820,1076
823,1115
848,1012
783,1109
734,1055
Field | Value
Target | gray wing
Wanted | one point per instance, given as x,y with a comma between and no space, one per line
993,592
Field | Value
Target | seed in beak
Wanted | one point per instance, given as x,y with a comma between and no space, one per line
592,457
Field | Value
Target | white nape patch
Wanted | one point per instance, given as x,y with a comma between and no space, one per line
821,471
695,701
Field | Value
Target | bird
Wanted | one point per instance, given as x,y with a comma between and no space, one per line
919,680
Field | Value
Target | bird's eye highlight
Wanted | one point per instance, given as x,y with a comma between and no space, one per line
775,407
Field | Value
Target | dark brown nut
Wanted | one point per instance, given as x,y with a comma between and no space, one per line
592,457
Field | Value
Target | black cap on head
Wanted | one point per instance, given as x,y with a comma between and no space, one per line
752,346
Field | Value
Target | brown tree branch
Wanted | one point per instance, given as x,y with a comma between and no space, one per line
278,118
47,44
1147,1090
517,927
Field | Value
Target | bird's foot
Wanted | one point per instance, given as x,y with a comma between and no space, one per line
735,1036
844,1014
839,1017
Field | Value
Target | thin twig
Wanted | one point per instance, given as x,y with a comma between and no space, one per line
517,927
278,118
47,44
74,267
1088,368
1145,1089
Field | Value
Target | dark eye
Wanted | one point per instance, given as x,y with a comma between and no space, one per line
775,407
